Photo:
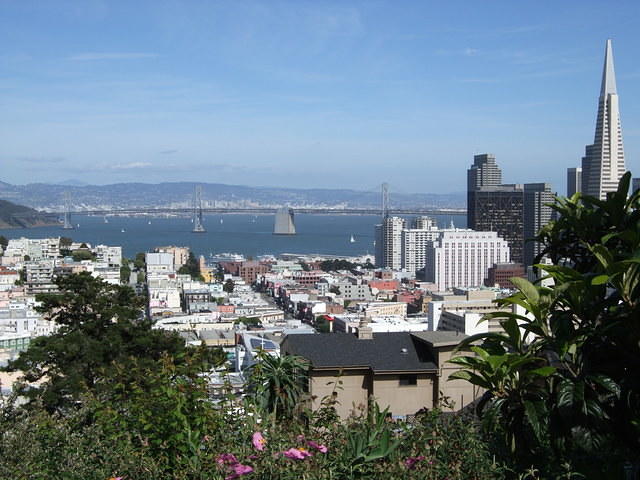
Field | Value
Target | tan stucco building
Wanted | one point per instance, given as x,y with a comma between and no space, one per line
405,372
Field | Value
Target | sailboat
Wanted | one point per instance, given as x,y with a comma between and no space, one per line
106,220
352,240
221,221
122,231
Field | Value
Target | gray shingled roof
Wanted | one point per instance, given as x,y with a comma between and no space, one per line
382,354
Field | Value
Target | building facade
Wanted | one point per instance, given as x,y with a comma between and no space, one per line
483,173
536,214
603,164
392,228
574,181
499,209
462,258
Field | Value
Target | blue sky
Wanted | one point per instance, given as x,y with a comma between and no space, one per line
308,93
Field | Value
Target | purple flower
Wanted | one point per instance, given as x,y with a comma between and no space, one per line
258,441
226,459
410,462
297,453
238,471
320,448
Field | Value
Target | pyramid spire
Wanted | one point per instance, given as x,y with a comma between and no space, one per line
608,73
603,164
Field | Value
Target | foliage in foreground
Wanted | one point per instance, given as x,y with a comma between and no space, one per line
84,445
119,399
562,381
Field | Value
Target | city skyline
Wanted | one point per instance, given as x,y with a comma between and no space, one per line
105,93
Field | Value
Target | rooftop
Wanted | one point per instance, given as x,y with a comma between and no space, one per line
386,352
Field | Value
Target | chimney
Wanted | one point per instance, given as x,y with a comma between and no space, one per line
364,330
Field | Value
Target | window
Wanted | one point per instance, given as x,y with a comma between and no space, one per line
406,380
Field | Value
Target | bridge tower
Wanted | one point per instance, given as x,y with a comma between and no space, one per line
67,212
198,227
385,200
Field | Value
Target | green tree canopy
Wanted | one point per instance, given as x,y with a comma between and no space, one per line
65,241
228,286
101,325
192,267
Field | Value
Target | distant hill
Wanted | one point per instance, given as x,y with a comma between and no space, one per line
19,216
127,195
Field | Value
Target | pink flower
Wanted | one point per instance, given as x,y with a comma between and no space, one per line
320,448
300,438
226,459
258,441
297,453
238,471
410,462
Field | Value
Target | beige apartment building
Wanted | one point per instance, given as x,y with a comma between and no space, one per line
405,372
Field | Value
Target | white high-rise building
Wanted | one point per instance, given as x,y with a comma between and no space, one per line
415,241
603,164
392,242
461,258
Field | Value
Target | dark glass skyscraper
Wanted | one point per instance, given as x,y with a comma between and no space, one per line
536,214
516,212
483,173
499,209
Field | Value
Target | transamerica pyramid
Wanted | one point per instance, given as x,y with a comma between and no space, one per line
603,163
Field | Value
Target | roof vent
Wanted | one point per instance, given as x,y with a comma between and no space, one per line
404,351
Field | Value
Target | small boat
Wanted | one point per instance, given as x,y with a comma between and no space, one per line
221,221
77,225
106,220
352,240
122,231
149,222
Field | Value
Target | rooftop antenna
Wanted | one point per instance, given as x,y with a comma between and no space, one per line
197,211
67,212
385,200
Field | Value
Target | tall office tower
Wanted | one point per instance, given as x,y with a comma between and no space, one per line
378,245
462,258
603,163
284,223
536,214
574,181
499,209
392,242
483,173
415,241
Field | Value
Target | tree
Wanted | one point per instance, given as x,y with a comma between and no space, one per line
3,241
125,271
65,242
100,327
82,254
228,286
140,262
562,381
249,321
278,383
192,267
